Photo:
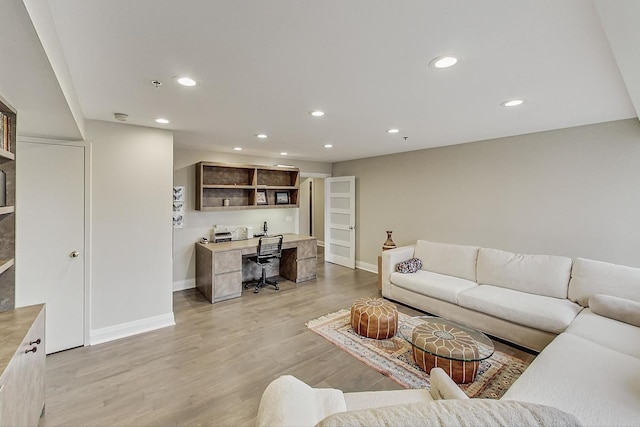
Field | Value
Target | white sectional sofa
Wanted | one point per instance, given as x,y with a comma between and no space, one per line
589,363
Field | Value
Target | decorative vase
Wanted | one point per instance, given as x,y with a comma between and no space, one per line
389,244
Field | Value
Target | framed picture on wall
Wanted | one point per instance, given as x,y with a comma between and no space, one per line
282,197
261,197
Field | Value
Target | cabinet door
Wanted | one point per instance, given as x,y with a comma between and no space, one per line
22,389
227,285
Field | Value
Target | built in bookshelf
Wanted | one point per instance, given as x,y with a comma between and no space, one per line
7,205
225,186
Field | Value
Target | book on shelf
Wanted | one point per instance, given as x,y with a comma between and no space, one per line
5,126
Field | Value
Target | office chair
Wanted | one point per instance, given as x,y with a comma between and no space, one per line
269,248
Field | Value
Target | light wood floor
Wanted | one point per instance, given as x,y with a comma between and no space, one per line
213,365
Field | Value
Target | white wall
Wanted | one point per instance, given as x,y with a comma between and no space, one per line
199,224
570,192
131,210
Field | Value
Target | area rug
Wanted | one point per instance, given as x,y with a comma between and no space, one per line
393,358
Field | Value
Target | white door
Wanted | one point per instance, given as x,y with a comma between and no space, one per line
50,238
340,221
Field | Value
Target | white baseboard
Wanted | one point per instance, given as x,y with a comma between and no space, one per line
372,268
180,285
319,243
110,333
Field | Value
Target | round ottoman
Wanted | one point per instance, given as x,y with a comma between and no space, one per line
374,318
441,346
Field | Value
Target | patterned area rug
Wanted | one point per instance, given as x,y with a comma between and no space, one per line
393,358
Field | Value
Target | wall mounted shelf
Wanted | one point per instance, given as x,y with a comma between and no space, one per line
239,184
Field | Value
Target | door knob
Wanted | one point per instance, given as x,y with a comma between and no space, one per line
74,254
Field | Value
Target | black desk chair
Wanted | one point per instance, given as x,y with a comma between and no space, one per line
269,248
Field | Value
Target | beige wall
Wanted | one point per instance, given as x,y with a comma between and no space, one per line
131,174
573,192
199,224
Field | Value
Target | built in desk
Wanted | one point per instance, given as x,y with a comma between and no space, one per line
220,271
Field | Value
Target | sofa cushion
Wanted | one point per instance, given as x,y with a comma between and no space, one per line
621,309
546,275
287,401
590,277
373,399
607,332
455,413
535,311
600,386
452,260
435,285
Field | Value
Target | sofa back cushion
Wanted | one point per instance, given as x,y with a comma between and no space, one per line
452,260
455,413
590,277
546,275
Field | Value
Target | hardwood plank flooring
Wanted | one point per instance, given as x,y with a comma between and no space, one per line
213,365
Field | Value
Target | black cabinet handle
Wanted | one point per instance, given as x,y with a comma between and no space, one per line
35,342
34,349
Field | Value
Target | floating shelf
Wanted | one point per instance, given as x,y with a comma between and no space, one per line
6,264
4,210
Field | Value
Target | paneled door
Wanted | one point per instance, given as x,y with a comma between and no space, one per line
50,252
340,221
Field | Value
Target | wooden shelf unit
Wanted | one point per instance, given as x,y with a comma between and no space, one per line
8,120
240,185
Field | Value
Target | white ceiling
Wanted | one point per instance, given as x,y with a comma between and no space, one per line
262,66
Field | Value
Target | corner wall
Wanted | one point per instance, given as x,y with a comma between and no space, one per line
131,211
570,192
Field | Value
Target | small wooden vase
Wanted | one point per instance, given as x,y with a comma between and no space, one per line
388,244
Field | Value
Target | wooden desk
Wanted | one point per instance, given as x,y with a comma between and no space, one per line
219,266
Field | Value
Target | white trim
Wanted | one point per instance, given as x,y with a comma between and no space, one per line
180,285
320,243
110,333
88,194
372,268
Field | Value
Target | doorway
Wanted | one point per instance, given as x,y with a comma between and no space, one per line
311,207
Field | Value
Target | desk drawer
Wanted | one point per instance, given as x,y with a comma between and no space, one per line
226,262
227,285
307,249
306,269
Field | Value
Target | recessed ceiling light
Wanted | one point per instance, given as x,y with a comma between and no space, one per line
328,145
162,120
284,153
186,81
512,103
393,130
317,113
237,148
261,135
443,62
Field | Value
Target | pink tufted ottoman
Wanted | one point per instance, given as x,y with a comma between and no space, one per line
374,318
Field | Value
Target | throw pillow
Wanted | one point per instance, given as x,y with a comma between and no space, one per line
624,310
409,266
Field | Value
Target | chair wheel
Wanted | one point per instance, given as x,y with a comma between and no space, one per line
277,288
256,290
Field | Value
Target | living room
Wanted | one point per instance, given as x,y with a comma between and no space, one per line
555,175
